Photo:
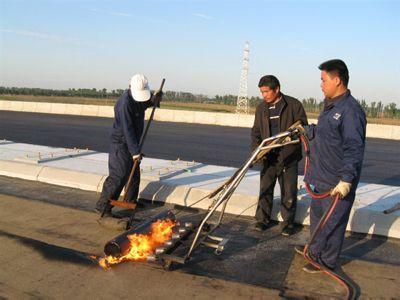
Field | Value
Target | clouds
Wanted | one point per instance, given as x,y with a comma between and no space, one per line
111,13
203,16
45,36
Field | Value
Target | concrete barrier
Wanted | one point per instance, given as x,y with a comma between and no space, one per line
200,117
74,179
169,115
395,133
43,107
29,106
59,108
5,105
163,115
90,110
106,111
384,131
16,105
20,170
73,109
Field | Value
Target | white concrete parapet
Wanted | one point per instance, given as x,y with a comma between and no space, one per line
20,170
74,179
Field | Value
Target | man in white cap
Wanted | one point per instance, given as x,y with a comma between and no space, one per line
129,112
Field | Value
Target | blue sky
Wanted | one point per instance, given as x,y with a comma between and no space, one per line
197,45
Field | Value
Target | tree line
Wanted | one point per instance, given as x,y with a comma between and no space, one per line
374,109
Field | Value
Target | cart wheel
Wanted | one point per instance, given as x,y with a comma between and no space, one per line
217,252
206,227
167,264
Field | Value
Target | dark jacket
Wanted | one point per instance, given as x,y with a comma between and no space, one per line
291,112
129,122
337,150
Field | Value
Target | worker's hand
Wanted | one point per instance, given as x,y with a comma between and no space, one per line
137,157
294,133
342,188
300,129
287,139
158,96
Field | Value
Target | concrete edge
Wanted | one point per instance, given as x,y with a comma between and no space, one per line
169,115
20,170
362,220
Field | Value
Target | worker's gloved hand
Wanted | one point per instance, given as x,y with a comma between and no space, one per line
138,157
287,139
158,96
294,133
301,129
342,188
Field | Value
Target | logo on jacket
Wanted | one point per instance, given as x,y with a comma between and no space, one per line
337,116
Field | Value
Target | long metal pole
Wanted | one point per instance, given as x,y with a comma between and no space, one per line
136,162
151,116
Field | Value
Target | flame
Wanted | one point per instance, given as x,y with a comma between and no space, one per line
142,244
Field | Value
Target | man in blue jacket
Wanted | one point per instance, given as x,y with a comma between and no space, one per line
337,155
129,113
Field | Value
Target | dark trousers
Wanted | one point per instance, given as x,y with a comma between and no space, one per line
287,177
327,244
120,164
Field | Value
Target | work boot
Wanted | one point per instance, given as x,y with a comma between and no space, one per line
97,209
100,207
311,269
299,249
288,230
260,226
139,204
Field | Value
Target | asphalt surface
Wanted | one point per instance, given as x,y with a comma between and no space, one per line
218,145
48,251
48,235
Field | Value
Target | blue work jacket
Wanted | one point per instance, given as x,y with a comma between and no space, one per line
337,150
129,121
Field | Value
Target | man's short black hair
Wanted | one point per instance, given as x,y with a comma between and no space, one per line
270,81
338,68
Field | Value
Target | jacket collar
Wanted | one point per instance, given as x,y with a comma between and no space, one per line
284,101
130,95
337,101
265,111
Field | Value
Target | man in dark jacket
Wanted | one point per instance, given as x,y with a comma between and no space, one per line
337,154
276,114
129,113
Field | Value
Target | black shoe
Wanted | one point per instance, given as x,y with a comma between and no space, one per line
100,207
288,230
260,226
299,249
139,205
108,214
97,209
311,269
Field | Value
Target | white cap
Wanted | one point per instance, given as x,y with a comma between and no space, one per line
140,89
